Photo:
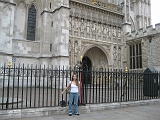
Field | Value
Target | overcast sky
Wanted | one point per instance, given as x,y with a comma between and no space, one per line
155,11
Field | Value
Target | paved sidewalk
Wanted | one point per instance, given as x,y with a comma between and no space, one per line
150,112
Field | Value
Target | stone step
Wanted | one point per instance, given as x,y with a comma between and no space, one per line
10,100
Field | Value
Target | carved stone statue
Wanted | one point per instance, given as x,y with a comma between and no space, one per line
76,26
114,31
119,53
99,29
109,30
70,47
93,27
88,27
114,53
76,48
82,25
119,32
104,30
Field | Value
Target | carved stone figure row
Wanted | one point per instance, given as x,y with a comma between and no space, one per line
117,56
95,14
101,4
73,47
87,28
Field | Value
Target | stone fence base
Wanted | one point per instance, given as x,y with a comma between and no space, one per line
49,111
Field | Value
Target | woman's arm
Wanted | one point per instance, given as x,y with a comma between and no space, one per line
66,88
79,88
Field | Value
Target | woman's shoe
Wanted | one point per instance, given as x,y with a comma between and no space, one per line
77,114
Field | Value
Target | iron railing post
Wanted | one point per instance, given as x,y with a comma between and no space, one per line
7,102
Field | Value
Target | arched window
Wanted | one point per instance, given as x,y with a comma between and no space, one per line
31,26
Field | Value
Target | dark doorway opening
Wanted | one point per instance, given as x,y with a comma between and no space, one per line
87,67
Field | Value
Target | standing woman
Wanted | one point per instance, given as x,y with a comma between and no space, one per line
74,94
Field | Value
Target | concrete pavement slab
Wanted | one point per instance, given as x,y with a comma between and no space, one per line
149,112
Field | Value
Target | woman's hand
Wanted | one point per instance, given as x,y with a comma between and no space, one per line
66,88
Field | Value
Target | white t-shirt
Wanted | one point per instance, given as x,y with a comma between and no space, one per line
73,88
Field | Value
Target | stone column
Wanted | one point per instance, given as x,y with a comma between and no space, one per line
61,39
126,24
43,33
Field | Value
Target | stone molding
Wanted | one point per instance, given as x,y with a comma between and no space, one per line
143,32
100,5
91,13
8,1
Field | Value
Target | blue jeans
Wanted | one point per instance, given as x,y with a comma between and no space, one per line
73,96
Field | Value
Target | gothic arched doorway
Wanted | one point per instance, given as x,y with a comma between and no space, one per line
95,58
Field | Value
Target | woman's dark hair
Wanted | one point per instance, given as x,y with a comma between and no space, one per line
77,82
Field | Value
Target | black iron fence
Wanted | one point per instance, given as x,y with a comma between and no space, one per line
35,87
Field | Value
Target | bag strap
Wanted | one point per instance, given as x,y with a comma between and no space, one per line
70,85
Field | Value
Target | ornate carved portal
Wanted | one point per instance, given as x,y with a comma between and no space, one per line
97,57
98,28
94,58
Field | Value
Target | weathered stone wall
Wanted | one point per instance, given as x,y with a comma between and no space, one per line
6,26
20,21
23,47
61,36
156,49
140,13
142,36
52,32
66,29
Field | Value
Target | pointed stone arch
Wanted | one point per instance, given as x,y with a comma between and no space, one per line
6,12
39,4
34,4
21,1
31,24
98,46
6,28
5,7
98,55
20,15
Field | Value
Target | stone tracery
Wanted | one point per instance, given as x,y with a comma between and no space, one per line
97,30
95,19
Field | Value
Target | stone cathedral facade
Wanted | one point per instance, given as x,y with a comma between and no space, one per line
106,33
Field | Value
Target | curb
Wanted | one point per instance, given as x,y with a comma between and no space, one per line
49,111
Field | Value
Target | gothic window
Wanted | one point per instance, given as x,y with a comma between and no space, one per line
50,5
52,24
31,26
135,56
50,47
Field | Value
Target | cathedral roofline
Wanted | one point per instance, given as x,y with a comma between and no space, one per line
138,35
54,10
8,1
